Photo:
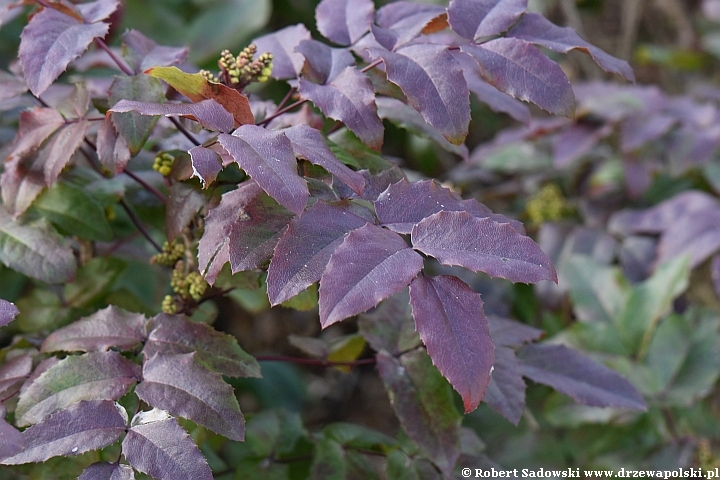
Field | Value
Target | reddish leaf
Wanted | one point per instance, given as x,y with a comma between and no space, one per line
62,147
206,164
510,333
181,385
374,184
407,20
83,427
14,371
309,143
506,391
344,21
370,265
143,53
36,126
517,68
482,245
92,376
268,157
322,63
183,204
305,248
98,10
433,82
176,334
476,19
578,377
107,471
208,112
197,88
13,441
537,29
165,451
104,329
450,320
133,127
287,63
349,98
576,141
403,205
424,405
112,149
8,312
50,42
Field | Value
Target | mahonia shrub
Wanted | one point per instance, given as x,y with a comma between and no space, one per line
282,197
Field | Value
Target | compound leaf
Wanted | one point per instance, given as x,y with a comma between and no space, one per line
476,19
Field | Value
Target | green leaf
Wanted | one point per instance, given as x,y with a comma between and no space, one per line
599,292
402,467
329,461
132,126
668,349
352,152
303,301
75,212
346,349
35,250
359,437
94,280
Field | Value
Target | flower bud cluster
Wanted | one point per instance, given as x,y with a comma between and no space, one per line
171,253
187,285
163,163
243,69
547,205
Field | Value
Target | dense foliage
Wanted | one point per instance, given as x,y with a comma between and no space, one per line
144,200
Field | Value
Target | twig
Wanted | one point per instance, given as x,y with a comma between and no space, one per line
136,222
121,65
146,186
372,65
184,131
279,112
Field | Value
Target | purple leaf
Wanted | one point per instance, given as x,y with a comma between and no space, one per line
370,265
434,84
450,320
578,377
323,63
374,184
517,68
309,143
107,471
112,150
305,248
407,117
134,128
165,451
407,20
35,250
486,93
209,113
715,273
142,53
183,386
509,333
662,216
11,440
206,164
476,19
85,426
36,126
424,405
286,62
482,245
576,141
506,391
175,334
104,329
8,312
13,372
638,130
403,205
349,98
95,375
267,156
696,234
98,10
50,42
344,21
183,204
537,29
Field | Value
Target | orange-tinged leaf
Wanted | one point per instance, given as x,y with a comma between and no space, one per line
197,88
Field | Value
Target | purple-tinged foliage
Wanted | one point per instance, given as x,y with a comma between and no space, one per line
506,390
11,440
206,164
85,426
404,21
13,372
349,98
305,248
8,311
510,333
143,53
450,320
176,334
639,130
477,19
434,84
423,403
323,63
517,68
482,245
696,234
104,329
35,127
344,21
108,471
112,149
390,326
578,377
50,42
370,265
98,10
287,63
184,386
268,158
208,113
163,450
95,375
133,127
576,141
183,204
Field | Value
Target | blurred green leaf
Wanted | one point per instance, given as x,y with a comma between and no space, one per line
94,280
